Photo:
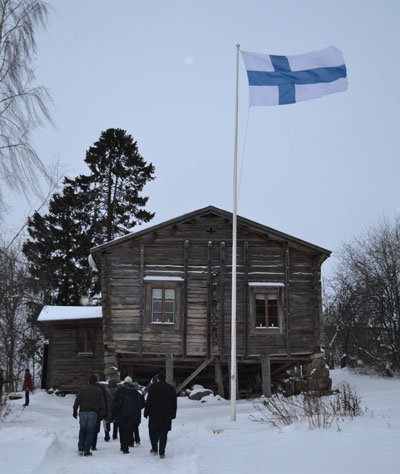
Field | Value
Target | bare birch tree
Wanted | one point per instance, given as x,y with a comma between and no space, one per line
20,339
365,306
23,104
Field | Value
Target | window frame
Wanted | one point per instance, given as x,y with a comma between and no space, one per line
163,290
266,309
162,282
267,288
88,351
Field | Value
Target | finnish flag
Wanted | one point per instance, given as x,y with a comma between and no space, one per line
279,80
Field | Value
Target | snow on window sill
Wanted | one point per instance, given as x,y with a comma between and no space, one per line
160,322
270,327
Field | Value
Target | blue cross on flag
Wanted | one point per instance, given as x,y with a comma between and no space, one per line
279,80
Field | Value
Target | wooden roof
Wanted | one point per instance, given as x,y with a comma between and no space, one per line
241,221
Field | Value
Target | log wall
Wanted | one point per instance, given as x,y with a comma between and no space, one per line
199,252
68,370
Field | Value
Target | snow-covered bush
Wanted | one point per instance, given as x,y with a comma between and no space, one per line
309,407
346,402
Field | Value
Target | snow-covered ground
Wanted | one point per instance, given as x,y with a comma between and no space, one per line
42,438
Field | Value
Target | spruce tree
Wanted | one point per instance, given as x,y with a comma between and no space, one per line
91,210
58,249
118,175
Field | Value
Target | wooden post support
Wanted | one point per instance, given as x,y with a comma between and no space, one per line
287,301
246,298
218,377
141,308
222,303
266,375
193,375
169,368
209,297
185,295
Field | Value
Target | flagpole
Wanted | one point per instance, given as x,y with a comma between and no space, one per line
234,250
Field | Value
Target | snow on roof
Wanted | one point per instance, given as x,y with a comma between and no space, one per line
62,313
162,278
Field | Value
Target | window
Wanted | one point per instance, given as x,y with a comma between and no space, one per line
266,305
85,341
266,310
163,302
163,305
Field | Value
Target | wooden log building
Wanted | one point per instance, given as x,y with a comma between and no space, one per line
166,301
74,347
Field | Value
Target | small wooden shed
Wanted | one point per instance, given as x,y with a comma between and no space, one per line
166,299
74,347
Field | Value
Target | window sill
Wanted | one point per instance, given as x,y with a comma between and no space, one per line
85,354
160,323
263,328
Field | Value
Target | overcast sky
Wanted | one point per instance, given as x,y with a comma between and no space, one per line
164,71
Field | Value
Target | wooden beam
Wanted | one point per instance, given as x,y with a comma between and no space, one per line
218,377
193,374
282,367
287,296
169,368
246,298
209,297
185,294
222,302
106,299
141,308
266,375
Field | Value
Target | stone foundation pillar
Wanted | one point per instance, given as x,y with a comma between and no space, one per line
110,365
317,373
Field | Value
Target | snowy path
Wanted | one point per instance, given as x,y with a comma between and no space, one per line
42,439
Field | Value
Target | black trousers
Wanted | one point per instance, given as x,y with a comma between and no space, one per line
126,432
158,439
115,429
26,397
96,432
136,434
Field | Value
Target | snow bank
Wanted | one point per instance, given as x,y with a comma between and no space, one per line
42,438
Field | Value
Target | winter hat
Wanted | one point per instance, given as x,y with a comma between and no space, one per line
136,385
112,383
161,376
92,378
128,380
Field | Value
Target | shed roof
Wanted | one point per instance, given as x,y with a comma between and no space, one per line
65,313
218,212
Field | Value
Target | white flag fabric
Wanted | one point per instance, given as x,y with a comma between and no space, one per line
279,80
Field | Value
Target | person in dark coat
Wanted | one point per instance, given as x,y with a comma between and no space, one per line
126,409
112,385
161,410
90,400
28,387
136,435
153,380
107,401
